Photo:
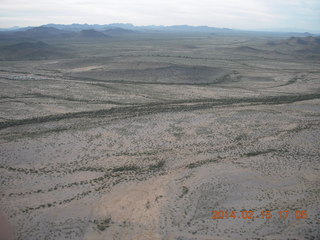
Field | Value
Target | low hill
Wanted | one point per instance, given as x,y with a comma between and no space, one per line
33,51
249,49
43,33
306,47
306,41
309,41
254,51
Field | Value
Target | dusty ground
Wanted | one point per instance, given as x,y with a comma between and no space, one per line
143,139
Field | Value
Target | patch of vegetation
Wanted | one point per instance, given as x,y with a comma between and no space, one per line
200,163
103,224
185,190
256,153
126,168
241,137
21,170
152,108
72,99
158,166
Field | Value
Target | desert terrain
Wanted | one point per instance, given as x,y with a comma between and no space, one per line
143,136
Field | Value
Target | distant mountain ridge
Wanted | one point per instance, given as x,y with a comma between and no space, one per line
97,31
127,26
77,27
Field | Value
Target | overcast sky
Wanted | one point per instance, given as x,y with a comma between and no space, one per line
239,14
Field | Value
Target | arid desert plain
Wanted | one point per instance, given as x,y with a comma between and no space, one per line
144,136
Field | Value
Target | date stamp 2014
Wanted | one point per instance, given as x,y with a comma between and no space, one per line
285,214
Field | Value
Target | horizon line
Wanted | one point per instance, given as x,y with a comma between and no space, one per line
275,30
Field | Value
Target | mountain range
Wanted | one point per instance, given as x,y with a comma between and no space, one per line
127,26
96,31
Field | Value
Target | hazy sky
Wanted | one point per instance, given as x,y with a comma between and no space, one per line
240,14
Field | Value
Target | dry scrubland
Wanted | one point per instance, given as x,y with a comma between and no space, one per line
142,137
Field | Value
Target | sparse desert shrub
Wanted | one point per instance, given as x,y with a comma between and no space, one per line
200,163
256,153
102,224
126,168
158,166
185,190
